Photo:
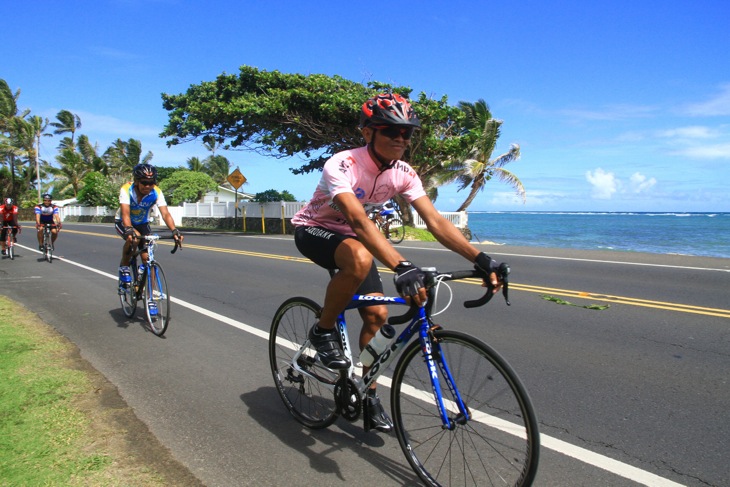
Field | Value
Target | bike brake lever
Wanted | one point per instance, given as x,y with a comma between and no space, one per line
503,272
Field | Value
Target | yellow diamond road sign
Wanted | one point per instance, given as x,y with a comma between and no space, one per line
236,179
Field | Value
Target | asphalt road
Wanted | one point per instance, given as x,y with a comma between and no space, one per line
636,394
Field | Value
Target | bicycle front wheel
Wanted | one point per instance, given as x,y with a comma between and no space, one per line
49,251
395,230
304,384
11,251
497,445
128,294
157,300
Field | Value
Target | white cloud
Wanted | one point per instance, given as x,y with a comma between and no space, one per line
717,106
692,132
604,183
612,112
639,183
104,124
717,151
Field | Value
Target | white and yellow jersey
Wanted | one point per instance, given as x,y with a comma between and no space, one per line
139,209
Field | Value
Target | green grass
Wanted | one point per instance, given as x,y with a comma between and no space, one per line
420,234
44,439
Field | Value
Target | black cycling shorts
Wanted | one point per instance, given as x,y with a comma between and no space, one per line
143,229
319,244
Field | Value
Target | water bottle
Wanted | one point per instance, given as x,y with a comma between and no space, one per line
377,345
140,269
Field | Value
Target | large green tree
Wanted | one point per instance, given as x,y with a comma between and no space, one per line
309,116
186,187
99,190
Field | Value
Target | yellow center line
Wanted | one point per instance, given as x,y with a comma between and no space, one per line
683,308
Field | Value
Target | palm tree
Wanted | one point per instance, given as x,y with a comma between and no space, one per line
479,167
67,123
39,125
13,133
195,164
123,156
218,168
71,171
90,155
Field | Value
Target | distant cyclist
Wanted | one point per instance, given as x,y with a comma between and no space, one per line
9,217
136,200
334,231
385,213
47,213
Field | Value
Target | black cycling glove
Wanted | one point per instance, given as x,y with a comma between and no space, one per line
485,264
408,279
128,231
176,233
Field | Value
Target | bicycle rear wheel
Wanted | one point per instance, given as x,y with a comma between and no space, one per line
157,300
498,445
305,386
395,230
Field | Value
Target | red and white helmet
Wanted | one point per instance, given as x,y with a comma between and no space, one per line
388,109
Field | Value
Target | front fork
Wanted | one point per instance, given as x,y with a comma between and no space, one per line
433,356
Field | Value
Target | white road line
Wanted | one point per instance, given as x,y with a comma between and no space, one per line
586,456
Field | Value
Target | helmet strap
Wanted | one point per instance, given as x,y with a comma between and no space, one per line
384,162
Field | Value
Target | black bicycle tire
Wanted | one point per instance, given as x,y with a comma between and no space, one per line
400,232
293,328
11,251
504,387
131,292
156,275
49,247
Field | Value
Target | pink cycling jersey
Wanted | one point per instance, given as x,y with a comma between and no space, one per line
354,171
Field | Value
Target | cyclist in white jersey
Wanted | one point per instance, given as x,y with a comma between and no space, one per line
136,200
334,231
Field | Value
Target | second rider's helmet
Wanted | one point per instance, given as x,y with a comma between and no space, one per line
145,171
388,109
8,201
47,196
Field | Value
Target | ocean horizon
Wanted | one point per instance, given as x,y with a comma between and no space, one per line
704,234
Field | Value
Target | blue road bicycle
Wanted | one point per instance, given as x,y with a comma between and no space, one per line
148,285
461,414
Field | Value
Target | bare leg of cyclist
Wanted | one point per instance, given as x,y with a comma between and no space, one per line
354,262
373,317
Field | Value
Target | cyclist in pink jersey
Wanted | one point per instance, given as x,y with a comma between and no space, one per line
334,231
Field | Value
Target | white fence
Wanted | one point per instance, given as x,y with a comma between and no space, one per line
279,209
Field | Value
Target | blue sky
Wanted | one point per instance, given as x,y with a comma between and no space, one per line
617,105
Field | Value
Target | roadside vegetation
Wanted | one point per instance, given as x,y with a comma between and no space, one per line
52,429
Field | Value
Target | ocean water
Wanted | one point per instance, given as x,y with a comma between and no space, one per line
700,234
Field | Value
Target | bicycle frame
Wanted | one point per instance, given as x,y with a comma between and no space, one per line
9,242
144,279
420,325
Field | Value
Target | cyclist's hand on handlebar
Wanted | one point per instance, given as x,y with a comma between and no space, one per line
128,234
178,237
408,281
490,268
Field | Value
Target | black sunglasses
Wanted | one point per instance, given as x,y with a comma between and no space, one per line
393,132
147,182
